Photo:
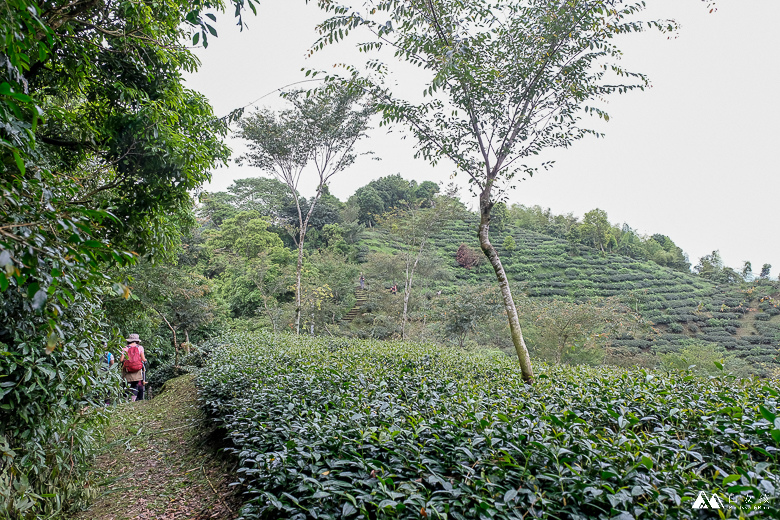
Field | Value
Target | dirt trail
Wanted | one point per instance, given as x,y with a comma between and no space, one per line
160,463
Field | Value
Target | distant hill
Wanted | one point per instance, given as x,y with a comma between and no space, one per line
551,257
742,318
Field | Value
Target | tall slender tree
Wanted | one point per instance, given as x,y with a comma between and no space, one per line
320,130
507,79
412,228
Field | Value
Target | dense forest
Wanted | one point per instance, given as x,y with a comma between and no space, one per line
396,354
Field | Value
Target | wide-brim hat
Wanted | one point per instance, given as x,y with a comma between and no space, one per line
133,338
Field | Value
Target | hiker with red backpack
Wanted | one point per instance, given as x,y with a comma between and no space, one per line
132,360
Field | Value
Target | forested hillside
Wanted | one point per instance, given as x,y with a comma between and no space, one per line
580,302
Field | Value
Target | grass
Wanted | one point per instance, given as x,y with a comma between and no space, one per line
159,461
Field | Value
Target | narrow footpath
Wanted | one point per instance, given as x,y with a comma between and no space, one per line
160,462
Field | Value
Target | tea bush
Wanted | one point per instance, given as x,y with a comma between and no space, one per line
330,428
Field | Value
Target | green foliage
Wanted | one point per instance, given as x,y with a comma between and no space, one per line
100,147
596,231
711,267
411,231
704,359
509,245
578,333
267,196
246,235
385,194
468,308
321,128
337,428
45,434
506,80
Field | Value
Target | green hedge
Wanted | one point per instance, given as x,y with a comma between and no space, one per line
348,429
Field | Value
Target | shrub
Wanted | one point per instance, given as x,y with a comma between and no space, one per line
191,362
467,257
51,409
675,328
399,430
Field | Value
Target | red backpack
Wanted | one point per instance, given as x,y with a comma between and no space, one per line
133,362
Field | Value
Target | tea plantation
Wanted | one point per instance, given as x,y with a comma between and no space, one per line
335,428
680,305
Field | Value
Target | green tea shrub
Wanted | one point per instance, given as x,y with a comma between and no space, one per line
328,428
675,328
189,363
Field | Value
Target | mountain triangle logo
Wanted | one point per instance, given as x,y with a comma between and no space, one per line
702,502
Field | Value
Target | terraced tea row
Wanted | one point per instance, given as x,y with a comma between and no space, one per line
680,305
349,429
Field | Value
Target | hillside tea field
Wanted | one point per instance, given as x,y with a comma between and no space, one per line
330,428
681,306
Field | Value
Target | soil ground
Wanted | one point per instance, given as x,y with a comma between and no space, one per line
160,461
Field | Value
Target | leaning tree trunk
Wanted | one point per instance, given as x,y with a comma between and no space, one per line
298,287
523,357
175,341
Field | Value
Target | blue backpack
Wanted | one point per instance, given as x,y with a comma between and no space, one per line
106,360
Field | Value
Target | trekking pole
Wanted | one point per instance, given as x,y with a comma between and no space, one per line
143,381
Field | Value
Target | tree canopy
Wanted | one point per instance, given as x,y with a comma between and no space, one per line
100,146
505,80
319,130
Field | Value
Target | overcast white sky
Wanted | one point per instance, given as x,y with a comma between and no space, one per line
694,158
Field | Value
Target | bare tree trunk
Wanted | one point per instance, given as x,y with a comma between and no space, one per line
270,315
175,341
298,283
406,306
175,347
408,287
509,304
407,292
187,341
